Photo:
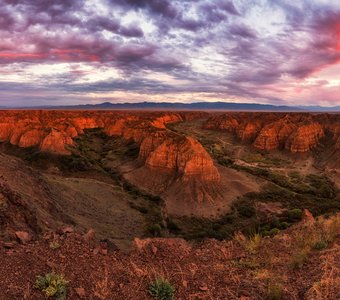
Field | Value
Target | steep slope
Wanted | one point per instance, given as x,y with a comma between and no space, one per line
33,202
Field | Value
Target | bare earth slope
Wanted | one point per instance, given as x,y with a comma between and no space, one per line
52,201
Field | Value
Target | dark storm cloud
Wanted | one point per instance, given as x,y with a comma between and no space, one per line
163,8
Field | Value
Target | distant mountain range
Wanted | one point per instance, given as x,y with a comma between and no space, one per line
188,106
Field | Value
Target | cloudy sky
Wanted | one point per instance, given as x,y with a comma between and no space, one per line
89,51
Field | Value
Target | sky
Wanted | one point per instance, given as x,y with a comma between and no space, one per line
281,52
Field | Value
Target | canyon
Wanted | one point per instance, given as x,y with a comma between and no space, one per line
157,184
176,165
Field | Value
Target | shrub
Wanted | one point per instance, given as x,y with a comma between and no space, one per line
320,245
155,230
295,214
52,285
271,232
173,227
245,209
284,225
161,289
274,231
251,243
54,245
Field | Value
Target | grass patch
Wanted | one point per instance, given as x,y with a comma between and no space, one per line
161,289
52,285
54,245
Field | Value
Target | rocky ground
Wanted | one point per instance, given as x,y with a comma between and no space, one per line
291,265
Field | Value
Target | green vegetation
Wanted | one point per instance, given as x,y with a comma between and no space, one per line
245,208
52,285
318,237
251,243
155,230
161,289
295,214
265,159
320,245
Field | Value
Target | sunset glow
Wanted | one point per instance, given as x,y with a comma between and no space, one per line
77,51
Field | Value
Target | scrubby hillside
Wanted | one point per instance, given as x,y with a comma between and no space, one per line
300,263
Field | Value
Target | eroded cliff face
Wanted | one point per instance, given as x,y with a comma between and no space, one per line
304,138
295,132
50,131
184,156
160,149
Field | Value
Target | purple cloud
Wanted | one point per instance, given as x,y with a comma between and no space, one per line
238,49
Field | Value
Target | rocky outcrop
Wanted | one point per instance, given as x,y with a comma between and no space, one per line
295,132
304,138
56,141
31,138
248,131
161,149
274,135
184,156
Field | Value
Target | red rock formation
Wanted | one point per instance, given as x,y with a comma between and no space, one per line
185,156
296,132
56,141
248,132
304,138
53,131
31,138
274,135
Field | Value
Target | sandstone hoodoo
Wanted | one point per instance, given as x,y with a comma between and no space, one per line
184,156
305,138
274,135
295,132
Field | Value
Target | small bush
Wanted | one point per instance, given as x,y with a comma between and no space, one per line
161,289
251,243
173,227
52,285
284,225
271,232
54,245
320,245
274,231
295,214
155,230
245,208
254,242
